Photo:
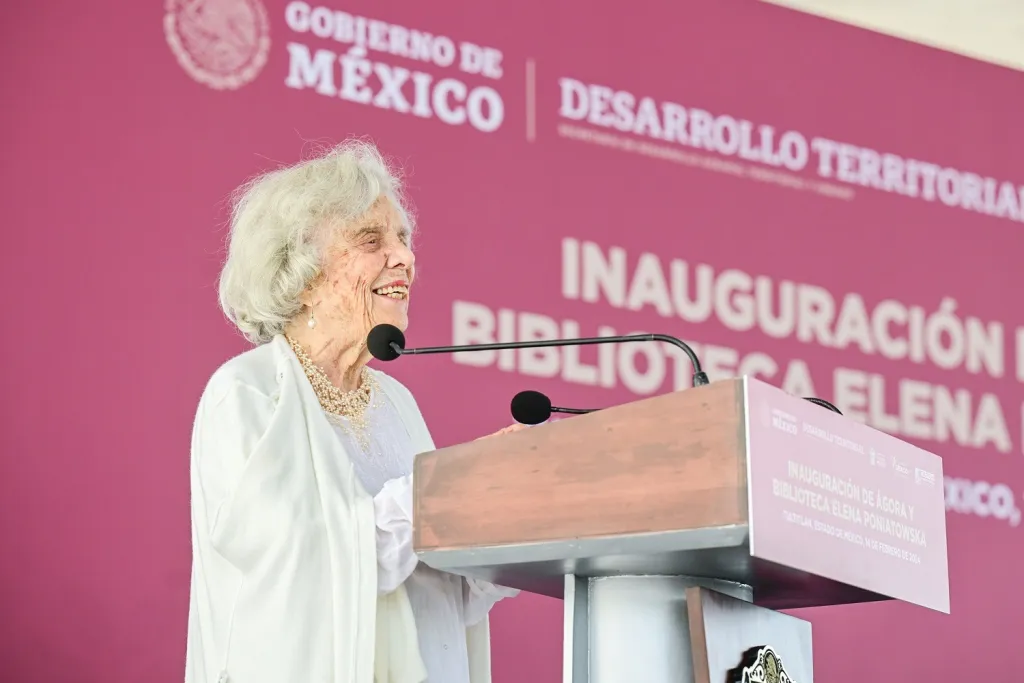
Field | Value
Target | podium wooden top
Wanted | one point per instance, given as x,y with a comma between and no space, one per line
662,464
657,486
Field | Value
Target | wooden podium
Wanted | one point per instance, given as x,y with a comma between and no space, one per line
674,527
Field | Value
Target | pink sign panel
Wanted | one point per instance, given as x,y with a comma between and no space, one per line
844,501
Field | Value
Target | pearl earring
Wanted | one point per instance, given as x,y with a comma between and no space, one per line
312,320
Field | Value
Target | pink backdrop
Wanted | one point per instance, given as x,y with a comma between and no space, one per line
126,124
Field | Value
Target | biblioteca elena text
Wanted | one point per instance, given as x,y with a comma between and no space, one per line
846,501
742,302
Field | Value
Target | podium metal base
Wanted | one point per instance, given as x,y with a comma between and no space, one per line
678,629
627,629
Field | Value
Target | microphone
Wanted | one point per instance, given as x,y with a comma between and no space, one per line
534,408
386,342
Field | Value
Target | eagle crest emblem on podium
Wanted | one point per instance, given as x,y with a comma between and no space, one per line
765,668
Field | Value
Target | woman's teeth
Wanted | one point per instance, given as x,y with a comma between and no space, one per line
397,292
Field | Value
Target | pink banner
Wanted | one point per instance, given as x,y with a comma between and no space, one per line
832,211
844,501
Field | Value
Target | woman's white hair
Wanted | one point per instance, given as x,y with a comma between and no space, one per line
281,223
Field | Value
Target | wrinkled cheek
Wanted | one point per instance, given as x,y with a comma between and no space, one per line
349,298
371,309
364,299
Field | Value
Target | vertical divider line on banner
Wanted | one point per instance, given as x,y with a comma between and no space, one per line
531,106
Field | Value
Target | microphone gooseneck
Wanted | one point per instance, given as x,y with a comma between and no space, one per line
386,342
700,378
823,403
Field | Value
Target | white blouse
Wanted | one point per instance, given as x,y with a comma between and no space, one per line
443,604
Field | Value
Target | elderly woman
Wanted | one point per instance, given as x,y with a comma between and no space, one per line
303,570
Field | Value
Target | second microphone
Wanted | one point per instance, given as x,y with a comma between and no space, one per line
533,408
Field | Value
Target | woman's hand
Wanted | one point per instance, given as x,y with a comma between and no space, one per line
505,430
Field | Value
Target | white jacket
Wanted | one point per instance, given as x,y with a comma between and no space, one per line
284,570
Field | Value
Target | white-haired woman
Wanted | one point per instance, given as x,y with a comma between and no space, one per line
303,570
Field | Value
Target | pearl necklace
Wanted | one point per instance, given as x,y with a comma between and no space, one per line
336,402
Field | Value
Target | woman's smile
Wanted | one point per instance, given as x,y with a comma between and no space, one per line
394,292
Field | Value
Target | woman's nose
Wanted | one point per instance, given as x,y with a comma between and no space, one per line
401,255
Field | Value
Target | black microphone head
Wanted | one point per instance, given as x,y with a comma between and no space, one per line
380,341
531,407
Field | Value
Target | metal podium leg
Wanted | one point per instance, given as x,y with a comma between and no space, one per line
576,632
630,629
